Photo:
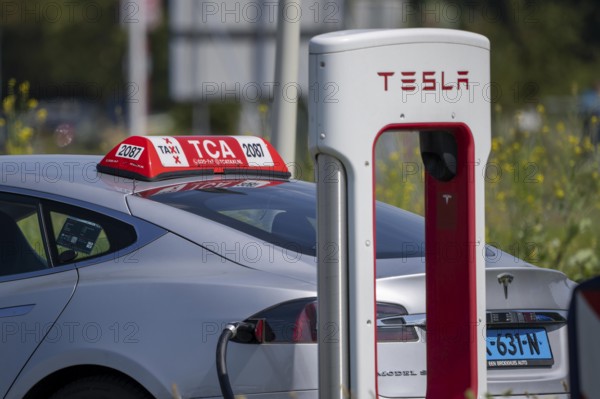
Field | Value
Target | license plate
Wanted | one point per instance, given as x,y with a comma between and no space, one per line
518,347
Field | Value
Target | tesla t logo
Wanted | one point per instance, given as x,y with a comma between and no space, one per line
505,279
447,198
427,80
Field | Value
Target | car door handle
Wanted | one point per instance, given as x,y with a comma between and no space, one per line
13,311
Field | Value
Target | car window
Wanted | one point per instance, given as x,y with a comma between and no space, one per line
258,218
284,214
30,226
22,247
73,234
79,234
78,238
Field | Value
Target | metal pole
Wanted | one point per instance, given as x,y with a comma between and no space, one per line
332,277
287,90
136,93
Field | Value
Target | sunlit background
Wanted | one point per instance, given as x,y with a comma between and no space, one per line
78,76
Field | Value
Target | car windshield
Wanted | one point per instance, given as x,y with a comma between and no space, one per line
284,213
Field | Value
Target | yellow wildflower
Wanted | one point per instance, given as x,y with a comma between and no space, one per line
572,139
24,87
495,144
540,109
560,127
25,134
530,199
2,122
560,194
32,103
41,114
539,178
8,104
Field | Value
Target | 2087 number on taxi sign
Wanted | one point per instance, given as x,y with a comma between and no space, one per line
129,151
253,150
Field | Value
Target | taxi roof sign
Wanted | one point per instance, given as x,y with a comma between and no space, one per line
151,158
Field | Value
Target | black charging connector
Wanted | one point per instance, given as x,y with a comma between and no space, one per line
241,332
439,153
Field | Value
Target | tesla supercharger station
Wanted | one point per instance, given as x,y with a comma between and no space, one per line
364,83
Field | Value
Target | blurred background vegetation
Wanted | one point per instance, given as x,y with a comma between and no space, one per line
63,90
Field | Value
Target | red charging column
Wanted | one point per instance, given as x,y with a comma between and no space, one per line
433,82
451,271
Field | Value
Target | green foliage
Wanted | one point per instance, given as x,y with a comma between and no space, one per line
21,118
64,48
543,196
400,173
541,191
538,48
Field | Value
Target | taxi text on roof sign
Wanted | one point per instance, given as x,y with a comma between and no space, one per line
162,157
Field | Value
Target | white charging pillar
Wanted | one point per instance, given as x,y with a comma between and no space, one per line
364,83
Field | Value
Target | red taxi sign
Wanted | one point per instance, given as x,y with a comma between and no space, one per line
152,158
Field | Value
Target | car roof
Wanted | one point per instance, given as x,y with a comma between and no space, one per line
75,176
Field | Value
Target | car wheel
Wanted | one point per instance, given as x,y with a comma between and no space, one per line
101,387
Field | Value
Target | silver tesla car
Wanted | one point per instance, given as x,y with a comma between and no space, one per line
115,287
